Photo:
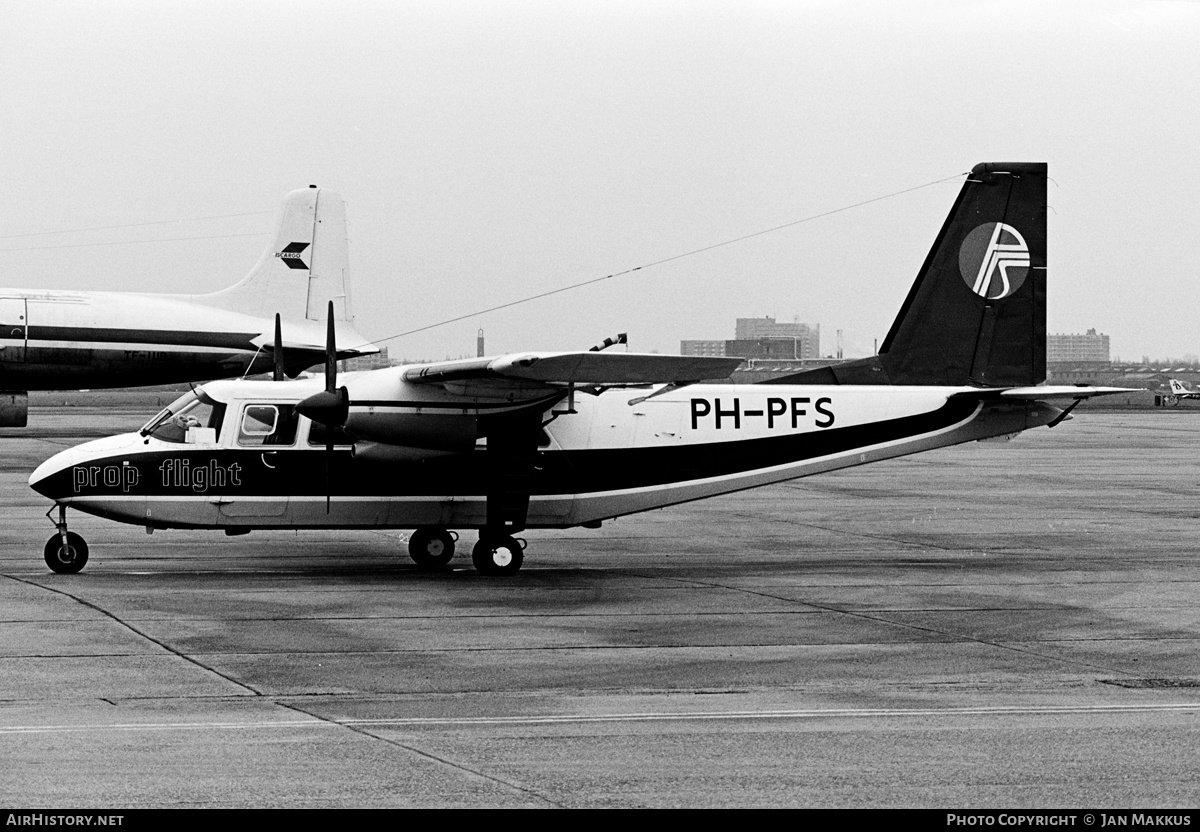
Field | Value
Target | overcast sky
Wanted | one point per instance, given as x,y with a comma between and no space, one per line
489,151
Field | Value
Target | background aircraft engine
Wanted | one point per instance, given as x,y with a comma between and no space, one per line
437,431
14,409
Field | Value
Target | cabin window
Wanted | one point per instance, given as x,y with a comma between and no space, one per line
318,434
192,410
268,424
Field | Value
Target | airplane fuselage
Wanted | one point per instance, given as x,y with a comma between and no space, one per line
617,453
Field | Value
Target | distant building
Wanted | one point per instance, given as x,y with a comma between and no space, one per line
710,348
762,338
753,329
1088,348
365,362
793,349
766,338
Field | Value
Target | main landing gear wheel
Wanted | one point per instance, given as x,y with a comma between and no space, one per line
66,559
498,555
431,548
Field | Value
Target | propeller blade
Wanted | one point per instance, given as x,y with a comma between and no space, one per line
328,454
331,406
330,409
278,350
330,354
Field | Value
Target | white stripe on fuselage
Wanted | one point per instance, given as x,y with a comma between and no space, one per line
141,346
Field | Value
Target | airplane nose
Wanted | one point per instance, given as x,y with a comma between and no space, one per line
54,477
48,478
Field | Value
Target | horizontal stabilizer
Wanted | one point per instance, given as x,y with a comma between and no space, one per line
1044,393
559,368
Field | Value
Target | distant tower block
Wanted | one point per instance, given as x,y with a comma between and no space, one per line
479,344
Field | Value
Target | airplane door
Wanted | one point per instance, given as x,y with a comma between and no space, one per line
270,430
657,423
13,330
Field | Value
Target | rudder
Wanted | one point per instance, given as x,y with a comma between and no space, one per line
305,266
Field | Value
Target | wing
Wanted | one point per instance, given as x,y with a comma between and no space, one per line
443,407
561,369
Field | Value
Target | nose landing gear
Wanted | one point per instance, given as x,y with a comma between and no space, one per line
66,552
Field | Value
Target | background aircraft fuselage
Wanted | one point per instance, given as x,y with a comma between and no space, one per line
68,340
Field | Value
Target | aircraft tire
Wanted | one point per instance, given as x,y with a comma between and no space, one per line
498,556
431,548
69,559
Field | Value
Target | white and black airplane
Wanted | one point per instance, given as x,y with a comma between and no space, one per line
555,440
1178,391
61,340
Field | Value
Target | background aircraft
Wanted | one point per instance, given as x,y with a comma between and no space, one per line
1178,392
556,440
57,340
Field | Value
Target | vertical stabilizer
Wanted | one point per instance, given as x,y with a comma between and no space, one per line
977,311
306,265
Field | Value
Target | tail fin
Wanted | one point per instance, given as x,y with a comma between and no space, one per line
304,267
976,314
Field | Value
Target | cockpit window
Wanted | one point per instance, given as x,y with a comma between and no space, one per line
268,424
191,410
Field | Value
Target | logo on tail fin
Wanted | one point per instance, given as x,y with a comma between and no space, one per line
291,255
994,260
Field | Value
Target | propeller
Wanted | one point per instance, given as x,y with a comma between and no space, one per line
331,406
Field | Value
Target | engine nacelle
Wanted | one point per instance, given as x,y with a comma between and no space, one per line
14,409
391,454
437,430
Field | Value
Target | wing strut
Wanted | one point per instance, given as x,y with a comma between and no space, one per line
1065,414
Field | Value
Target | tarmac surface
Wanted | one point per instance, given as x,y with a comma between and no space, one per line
997,625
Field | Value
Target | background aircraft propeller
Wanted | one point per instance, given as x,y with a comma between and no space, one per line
277,375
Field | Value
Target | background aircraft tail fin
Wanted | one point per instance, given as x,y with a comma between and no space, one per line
976,314
305,266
